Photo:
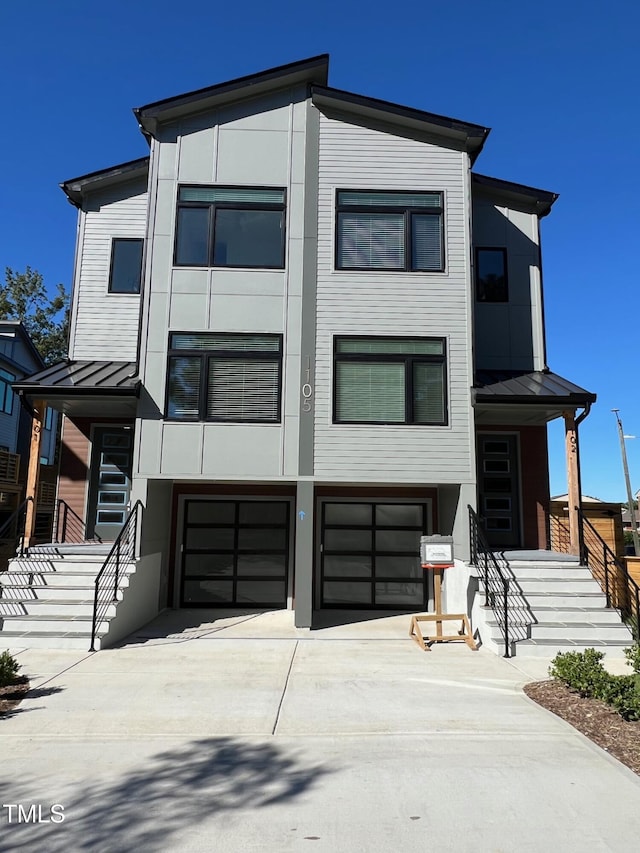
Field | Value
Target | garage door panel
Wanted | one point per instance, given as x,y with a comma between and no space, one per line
345,565
404,567
347,593
398,594
235,552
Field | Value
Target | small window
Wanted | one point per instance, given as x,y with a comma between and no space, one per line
6,392
491,275
126,265
224,377
230,227
48,418
390,381
380,230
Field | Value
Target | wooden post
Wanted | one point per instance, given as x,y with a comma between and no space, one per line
573,480
33,472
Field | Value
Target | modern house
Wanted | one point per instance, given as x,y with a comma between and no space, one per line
305,332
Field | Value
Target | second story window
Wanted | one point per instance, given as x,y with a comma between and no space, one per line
230,227
126,265
491,275
214,376
6,392
390,381
380,230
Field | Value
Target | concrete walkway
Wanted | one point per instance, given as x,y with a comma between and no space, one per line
244,733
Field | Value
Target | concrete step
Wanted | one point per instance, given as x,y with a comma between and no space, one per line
68,608
49,593
597,616
48,640
589,600
62,578
558,585
550,572
49,624
549,648
584,630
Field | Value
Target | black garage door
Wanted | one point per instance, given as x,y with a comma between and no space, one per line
370,555
235,553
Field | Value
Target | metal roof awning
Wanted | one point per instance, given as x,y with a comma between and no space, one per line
517,396
85,388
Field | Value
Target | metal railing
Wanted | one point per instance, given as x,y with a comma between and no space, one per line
12,531
620,589
495,578
109,579
559,536
68,526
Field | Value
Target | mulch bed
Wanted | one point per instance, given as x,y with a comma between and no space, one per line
12,694
593,718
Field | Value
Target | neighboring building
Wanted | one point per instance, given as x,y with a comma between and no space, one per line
626,520
303,334
19,359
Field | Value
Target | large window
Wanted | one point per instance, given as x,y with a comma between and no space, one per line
6,392
380,230
230,227
491,275
390,381
224,377
126,265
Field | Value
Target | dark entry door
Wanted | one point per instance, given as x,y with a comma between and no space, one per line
110,481
235,553
499,489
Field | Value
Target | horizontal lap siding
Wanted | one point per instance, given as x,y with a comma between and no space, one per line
106,324
400,304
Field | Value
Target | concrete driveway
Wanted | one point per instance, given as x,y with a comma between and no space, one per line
243,733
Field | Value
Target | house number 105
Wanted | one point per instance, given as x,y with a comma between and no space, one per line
307,390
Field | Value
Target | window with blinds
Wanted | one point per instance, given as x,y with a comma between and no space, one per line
235,378
390,381
230,227
384,230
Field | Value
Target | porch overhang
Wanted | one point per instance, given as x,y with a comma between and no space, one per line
85,388
525,397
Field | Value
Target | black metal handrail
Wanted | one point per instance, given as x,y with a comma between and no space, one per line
620,589
496,579
15,526
109,578
69,526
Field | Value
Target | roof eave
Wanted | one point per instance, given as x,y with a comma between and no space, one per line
541,201
306,71
77,188
471,137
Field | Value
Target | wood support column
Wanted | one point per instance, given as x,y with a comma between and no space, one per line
573,480
33,473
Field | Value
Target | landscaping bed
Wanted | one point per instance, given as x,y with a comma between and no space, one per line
12,694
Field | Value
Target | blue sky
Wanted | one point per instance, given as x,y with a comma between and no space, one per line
557,82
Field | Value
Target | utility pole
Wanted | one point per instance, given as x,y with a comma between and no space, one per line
623,451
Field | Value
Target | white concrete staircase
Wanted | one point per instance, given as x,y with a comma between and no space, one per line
555,605
46,599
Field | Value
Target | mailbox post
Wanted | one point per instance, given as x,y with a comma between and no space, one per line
436,555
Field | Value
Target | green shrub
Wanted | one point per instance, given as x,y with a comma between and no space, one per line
583,671
9,667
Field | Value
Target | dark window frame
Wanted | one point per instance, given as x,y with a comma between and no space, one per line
409,360
6,391
479,296
114,241
206,357
408,211
214,206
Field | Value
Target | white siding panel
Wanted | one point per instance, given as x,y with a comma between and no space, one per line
106,324
381,303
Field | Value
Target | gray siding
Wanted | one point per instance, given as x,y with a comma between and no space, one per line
105,325
510,335
380,303
255,143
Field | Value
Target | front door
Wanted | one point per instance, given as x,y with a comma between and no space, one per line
110,481
499,489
